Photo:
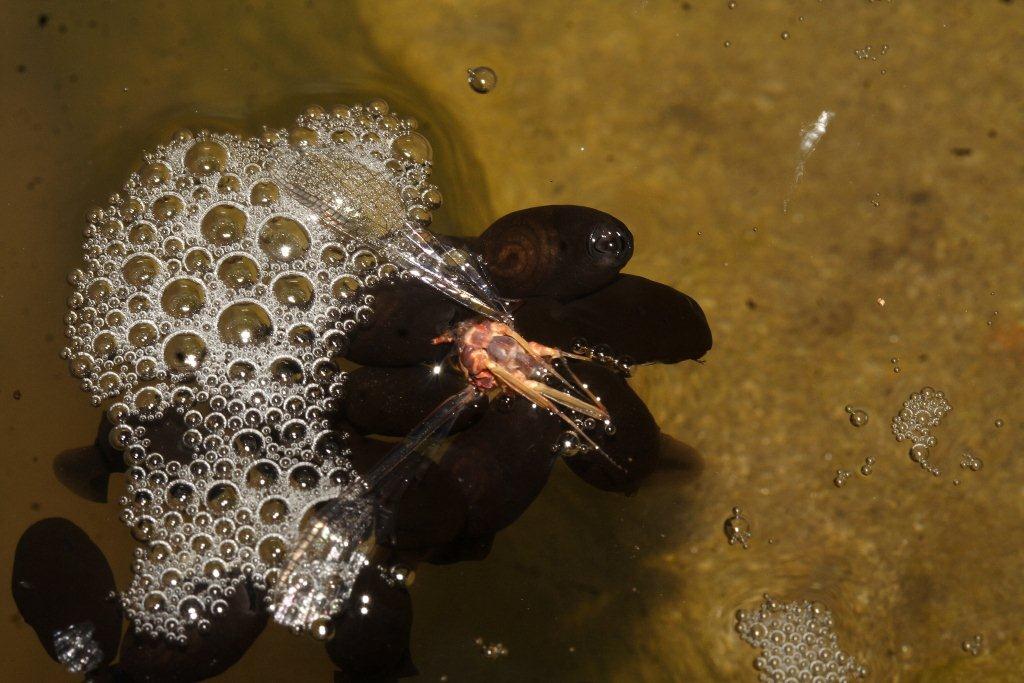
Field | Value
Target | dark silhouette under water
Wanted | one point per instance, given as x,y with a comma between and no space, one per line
563,265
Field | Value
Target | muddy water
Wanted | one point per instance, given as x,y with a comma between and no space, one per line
902,240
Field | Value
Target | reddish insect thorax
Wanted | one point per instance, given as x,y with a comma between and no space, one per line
479,343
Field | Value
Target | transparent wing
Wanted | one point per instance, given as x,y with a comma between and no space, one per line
336,544
362,207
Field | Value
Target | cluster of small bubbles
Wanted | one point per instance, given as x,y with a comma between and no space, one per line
796,642
969,461
76,648
491,650
895,365
841,477
973,645
922,411
482,79
213,303
602,353
737,529
858,417
865,52
868,466
920,454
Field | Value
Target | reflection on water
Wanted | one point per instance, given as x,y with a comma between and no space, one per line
897,248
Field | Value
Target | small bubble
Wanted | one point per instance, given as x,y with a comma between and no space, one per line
482,79
969,461
785,35
999,423
728,43
858,418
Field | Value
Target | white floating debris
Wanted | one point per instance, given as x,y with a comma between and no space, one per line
810,136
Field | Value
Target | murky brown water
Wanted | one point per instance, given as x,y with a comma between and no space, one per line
684,120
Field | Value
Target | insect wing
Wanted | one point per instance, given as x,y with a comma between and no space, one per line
359,204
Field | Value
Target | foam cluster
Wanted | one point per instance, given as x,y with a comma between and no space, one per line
797,643
209,315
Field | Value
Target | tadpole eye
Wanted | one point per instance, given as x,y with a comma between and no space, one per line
610,243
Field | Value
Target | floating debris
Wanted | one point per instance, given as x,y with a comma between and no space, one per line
76,648
974,645
810,136
482,79
796,642
969,461
491,650
858,417
737,529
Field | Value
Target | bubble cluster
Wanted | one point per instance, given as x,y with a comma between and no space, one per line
841,477
491,650
858,417
922,411
796,643
76,648
969,461
209,313
737,529
974,645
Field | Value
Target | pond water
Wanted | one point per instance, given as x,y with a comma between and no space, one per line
838,184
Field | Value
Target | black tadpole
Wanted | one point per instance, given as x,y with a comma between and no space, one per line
502,463
632,449
407,315
392,401
638,318
60,579
371,635
560,251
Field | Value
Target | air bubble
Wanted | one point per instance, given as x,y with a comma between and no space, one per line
205,157
184,352
264,193
141,270
238,271
223,225
412,147
244,324
167,207
294,290
283,239
482,79
181,298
